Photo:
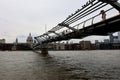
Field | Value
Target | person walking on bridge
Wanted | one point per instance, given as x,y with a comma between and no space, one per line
103,14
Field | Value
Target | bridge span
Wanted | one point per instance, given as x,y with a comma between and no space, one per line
92,26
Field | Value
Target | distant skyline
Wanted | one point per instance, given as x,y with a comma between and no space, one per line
18,18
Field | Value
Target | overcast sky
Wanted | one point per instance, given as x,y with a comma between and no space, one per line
18,18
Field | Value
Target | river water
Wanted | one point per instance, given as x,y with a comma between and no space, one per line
60,65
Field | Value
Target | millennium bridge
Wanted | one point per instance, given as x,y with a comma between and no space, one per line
78,25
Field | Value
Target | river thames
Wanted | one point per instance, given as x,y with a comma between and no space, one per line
60,65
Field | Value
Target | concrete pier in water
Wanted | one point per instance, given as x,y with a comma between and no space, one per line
44,51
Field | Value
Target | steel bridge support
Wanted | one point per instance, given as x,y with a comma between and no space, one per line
44,48
113,3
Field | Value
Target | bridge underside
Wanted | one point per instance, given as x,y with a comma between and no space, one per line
102,28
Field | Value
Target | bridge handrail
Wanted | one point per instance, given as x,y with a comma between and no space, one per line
93,17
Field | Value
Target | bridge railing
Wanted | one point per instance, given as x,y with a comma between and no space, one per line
92,20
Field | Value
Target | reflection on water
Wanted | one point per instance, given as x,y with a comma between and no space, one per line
60,65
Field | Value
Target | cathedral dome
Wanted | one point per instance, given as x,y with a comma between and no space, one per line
29,39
